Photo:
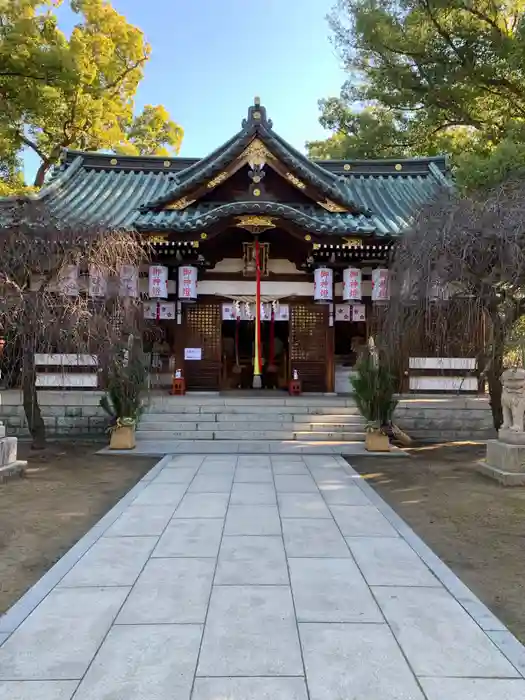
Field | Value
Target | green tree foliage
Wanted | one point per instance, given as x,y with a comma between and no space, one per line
73,92
432,75
373,132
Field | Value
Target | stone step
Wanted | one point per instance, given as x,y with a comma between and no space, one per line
164,424
221,402
207,418
245,435
149,418
228,411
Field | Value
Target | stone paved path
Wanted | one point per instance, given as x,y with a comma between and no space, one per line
254,577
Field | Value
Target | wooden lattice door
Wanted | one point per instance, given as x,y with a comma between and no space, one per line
202,329
308,345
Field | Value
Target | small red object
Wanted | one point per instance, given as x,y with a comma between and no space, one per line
294,387
178,386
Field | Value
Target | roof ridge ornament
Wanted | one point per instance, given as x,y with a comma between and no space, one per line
257,116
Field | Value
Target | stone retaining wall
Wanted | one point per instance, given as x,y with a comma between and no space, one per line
438,418
427,418
64,413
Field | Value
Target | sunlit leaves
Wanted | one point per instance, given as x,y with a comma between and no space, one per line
73,92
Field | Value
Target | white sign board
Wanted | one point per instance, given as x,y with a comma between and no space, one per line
193,353
343,312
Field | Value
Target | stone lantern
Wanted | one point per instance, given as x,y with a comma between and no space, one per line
505,459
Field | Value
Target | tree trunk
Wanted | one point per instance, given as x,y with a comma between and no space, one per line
35,422
495,371
41,173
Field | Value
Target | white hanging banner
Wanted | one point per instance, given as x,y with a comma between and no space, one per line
158,282
150,310
98,282
129,281
380,284
228,312
246,312
323,284
343,312
160,311
358,313
187,283
68,281
352,284
166,310
283,313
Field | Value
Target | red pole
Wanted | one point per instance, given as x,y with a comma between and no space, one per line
257,369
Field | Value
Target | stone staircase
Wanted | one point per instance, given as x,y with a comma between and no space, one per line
310,418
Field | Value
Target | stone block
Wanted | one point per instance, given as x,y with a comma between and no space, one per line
11,397
78,424
92,411
505,478
8,449
97,423
506,457
10,410
73,411
511,437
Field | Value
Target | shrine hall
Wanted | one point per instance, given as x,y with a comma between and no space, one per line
265,264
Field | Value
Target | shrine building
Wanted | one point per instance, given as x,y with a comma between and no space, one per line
255,220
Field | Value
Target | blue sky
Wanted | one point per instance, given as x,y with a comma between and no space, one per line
211,57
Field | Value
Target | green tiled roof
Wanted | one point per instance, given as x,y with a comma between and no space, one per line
126,191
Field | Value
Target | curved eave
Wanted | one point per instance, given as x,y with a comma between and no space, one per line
188,221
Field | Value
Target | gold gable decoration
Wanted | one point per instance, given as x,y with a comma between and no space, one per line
221,177
353,242
295,181
333,207
179,204
256,154
157,238
255,224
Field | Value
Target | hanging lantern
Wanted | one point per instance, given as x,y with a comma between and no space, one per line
129,281
187,283
68,281
323,285
98,283
158,282
380,284
352,284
